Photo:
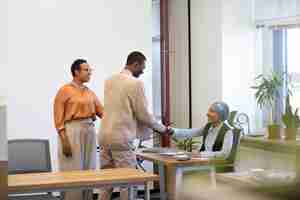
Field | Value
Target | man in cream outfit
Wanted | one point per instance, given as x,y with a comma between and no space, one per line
126,117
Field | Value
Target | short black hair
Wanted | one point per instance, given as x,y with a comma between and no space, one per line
135,56
76,65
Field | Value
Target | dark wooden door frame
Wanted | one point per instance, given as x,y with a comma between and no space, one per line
165,68
190,63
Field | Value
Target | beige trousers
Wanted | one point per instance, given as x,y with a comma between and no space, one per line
82,137
115,159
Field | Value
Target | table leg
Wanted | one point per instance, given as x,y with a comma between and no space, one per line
174,182
213,177
162,182
131,193
147,191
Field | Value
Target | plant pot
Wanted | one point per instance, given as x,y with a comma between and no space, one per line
290,133
274,132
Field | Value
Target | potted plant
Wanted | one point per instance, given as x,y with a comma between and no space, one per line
267,90
187,144
291,120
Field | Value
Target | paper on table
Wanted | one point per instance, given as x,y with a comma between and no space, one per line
186,133
207,154
168,154
200,158
159,150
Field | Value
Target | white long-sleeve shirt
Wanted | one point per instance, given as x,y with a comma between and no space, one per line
210,139
126,115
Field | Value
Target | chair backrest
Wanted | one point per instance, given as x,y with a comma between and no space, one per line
235,145
28,156
232,118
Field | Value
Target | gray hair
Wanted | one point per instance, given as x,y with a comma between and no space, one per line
222,109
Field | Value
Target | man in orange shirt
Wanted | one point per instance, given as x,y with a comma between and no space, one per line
75,110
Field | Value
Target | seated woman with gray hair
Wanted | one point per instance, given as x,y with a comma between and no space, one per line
217,133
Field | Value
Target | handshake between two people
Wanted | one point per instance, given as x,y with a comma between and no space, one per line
67,149
169,131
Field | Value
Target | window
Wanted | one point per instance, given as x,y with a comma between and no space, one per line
278,50
293,63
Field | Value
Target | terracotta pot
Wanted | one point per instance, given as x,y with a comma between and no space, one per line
274,132
290,133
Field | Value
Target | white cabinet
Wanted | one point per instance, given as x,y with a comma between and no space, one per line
267,154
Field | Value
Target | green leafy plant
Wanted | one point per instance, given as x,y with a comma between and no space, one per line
289,118
267,90
187,144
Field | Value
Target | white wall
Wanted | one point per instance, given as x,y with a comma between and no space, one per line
3,67
179,62
206,57
156,65
239,56
44,37
3,34
223,56
155,18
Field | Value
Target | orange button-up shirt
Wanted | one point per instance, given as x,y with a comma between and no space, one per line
75,102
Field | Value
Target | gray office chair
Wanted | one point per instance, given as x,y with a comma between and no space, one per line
230,166
29,156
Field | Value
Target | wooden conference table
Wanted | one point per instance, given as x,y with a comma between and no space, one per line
62,181
171,171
